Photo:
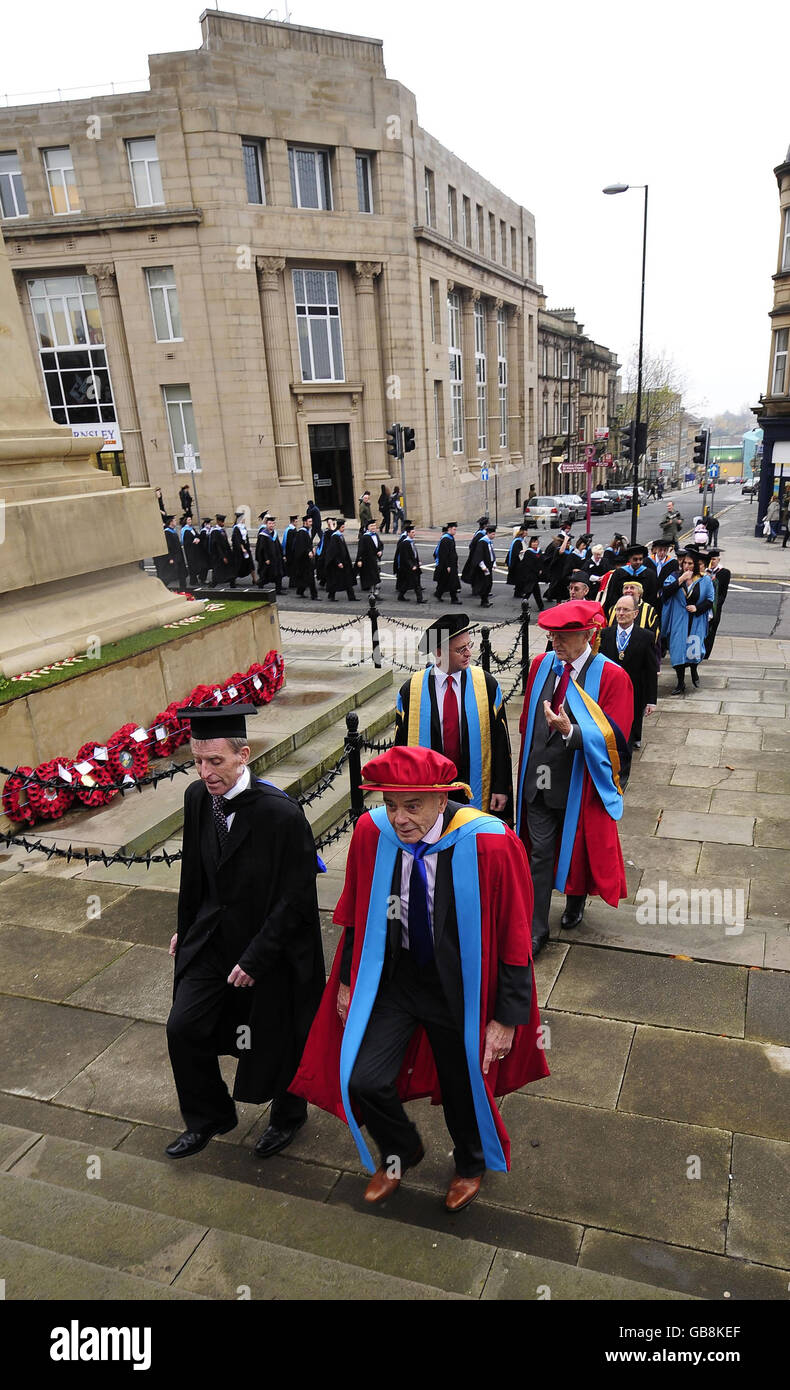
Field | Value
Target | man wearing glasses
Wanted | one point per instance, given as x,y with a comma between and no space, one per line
456,709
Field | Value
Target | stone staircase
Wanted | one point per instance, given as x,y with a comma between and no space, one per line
79,1221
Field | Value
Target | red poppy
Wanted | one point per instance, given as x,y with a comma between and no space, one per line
50,801
16,802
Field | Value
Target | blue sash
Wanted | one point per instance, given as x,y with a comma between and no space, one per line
473,725
466,888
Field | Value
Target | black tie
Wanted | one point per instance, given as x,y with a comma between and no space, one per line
219,809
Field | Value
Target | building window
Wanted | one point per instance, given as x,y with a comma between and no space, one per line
582,429
786,242
456,370
567,364
531,336
556,416
492,235
531,257
531,415
12,194
452,213
480,376
365,182
310,183
544,360
467,222
437,416
780,362
145,171
71,346
544,429
557,362
59,168
181,424
481,229
161,281
252,154
513,249
434,294
501,349
430,199
584,384
503,243
318,324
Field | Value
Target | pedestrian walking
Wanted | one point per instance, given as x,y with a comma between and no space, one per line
671,524
303,563
406,565
269,555
720,578
483,564
370,548
384,506
339,569
634,648
687,602
365,511
445,576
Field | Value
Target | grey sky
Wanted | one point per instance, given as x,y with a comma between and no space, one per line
552,101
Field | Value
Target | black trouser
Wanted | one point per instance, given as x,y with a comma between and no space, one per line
680,672
544,824
447,584
636,727
413,996
201,1027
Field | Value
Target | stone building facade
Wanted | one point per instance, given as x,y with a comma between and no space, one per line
773,411
261,263
577,393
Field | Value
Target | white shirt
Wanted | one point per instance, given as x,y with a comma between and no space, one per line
441,678
241,786
576,667
407,860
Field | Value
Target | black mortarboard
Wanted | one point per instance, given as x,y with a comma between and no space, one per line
481,520
408,525
449,524
293,518
713,550
238,513
168,518
636,549
227,721
579,577
449,625
220,517
662,540
490,528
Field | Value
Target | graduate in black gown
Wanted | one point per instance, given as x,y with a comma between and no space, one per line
269,554
322,550
339,567
303,566
240,545
249,968
222,565
172,570
445,576
368,562
406,565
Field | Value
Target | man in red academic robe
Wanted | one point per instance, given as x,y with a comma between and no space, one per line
432,990
573,767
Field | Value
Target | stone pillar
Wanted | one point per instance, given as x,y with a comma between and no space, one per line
120,371
376,469
492,369
271,293
468,301
515,384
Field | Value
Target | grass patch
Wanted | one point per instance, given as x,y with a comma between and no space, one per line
113,652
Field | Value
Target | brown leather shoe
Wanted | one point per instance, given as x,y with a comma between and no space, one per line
461,1192
382,1186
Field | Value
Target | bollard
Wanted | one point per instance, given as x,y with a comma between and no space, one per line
485,648
524,643
373,614
352,742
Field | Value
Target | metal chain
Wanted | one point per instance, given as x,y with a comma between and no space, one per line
319,631
325,783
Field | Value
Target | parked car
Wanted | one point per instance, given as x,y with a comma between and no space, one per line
576,505
751,485
548,509
601,503
617,501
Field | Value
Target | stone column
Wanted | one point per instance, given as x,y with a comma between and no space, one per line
468,301
376,469
515,383
271,293
492,369
120,371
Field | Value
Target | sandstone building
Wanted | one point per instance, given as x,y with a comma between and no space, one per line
577,392
263,261
773,412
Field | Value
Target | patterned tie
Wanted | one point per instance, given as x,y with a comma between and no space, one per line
559,694
622,639
420,936
451,728
219,811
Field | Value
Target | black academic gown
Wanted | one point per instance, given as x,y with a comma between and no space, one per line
501,762
369,551
242,555
645,575
640,662
339,569
303,566
445,575
222,566
481,580
406,566
269,557
721,582
175,567
253,904
190,542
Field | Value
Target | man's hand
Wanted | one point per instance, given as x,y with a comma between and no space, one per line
499,1040
650,709
497,803
173,943
558,721
691,608
343,1001
239,977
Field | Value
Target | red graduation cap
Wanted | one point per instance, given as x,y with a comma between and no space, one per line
411,770
579,615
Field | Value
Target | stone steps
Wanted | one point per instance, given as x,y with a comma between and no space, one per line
198,1234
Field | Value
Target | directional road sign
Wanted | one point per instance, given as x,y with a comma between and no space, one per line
484,474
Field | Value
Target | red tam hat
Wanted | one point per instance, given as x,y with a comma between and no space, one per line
579,615
412,770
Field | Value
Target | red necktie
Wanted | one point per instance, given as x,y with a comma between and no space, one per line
559,694
451,729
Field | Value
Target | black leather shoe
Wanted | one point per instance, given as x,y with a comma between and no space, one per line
679,690
573,916
694,679
538,942
193,1140
276,1138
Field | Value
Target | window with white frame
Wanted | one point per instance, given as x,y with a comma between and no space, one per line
566,364
365,182
584,384
310,181
544,360
501,349
480,376
456,370
318,325
780,362
252,155
566,425
163,296
582,429
12,194
61,182
71,346
181,424
430,200
452,213
786,242
437,416
145,171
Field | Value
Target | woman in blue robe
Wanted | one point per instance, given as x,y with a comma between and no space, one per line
687,602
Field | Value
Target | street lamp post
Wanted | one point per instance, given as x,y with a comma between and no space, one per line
623,188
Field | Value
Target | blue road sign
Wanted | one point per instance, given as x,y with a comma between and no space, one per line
713,471
484,475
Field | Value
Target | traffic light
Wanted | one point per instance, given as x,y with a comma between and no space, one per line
627,442
641,439
394,441
700,449
408,439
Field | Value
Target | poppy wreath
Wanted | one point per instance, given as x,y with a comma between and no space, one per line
234,688
52,801
126,756
95,787
16,801
164,731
